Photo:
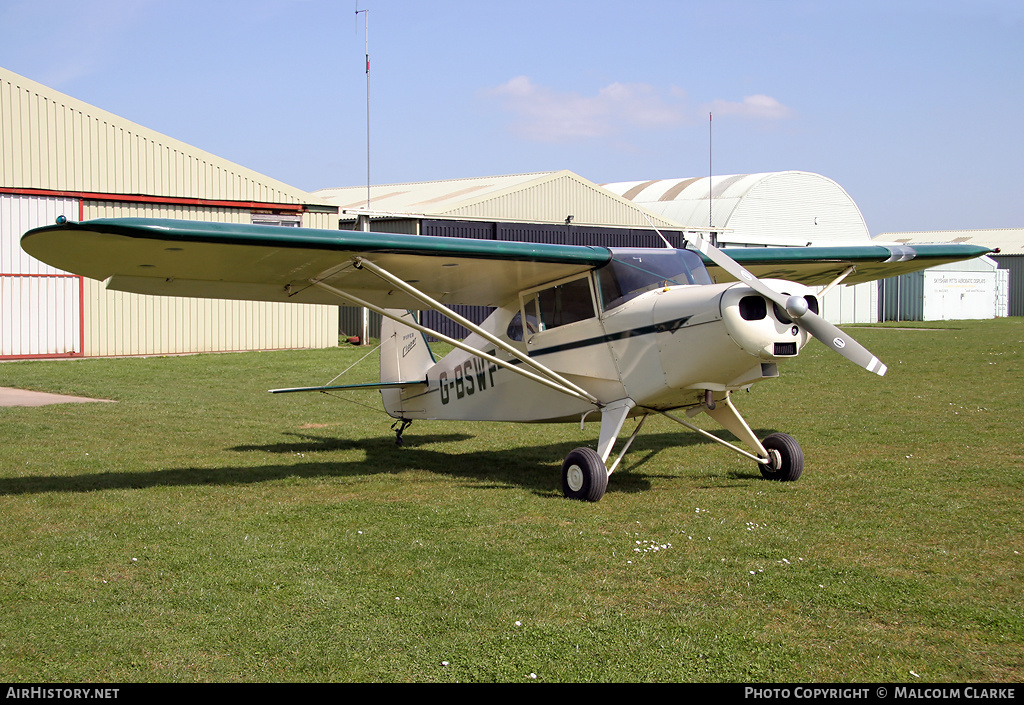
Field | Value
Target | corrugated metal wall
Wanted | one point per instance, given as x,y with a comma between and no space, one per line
350,323
40,307
901,298
545,232
40,316
961,290
773,205
46,312
1015,266
851,304
53,141
20,213
118,323
118,209
777,208
551,199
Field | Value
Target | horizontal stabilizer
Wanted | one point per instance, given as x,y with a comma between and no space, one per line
368,385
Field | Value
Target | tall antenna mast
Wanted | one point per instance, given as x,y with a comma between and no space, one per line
710,172
366,43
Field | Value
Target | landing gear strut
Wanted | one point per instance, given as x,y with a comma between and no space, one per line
585,475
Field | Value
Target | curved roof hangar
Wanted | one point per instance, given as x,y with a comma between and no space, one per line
768,209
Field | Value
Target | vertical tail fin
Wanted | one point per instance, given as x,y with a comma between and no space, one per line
404,357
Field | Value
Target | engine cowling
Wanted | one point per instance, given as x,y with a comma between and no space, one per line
763,328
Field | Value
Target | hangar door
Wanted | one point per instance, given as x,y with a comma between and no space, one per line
40,307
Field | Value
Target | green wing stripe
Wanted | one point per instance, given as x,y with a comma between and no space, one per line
852,255
821,265
335,240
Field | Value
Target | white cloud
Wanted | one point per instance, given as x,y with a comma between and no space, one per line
542,114
545,115
761,107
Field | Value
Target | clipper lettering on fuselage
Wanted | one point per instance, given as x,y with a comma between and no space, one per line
409,341
471,377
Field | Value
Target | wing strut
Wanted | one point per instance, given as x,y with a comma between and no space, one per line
589,398
846,272
452,315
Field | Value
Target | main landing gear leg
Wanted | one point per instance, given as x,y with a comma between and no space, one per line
584,473
785,457
779,456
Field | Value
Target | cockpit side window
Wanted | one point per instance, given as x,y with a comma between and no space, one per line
559,305
633,272
565,303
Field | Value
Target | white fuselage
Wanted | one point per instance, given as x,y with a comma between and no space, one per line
664,348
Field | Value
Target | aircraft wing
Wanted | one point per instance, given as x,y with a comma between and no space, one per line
817,266
272,263
268,263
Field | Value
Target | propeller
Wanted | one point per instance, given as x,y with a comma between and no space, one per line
796,307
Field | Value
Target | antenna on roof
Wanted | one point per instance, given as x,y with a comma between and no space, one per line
663,238
366,43
710,172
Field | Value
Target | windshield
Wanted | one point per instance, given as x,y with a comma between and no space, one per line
633,271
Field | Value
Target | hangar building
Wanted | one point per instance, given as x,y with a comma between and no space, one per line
60,156
559,205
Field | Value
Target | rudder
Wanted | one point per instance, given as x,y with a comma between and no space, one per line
404,357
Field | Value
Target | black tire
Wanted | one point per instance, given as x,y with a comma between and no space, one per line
584,475
787,458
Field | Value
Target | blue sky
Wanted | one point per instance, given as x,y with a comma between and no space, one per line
915,107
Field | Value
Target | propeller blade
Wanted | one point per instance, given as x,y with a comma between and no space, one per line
843,344
796,307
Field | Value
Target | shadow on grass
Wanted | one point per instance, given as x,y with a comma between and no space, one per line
536,468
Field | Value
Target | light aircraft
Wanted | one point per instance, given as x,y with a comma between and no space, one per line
578,333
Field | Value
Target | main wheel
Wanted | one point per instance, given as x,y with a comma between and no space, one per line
787,458
584,475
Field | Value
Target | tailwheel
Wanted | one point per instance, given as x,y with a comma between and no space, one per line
584,475
786,456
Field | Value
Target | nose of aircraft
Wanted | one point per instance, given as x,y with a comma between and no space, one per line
761,327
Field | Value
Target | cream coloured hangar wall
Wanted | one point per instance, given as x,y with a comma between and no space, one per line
60,156
120,323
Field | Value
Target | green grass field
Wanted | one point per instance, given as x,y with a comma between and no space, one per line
201,529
